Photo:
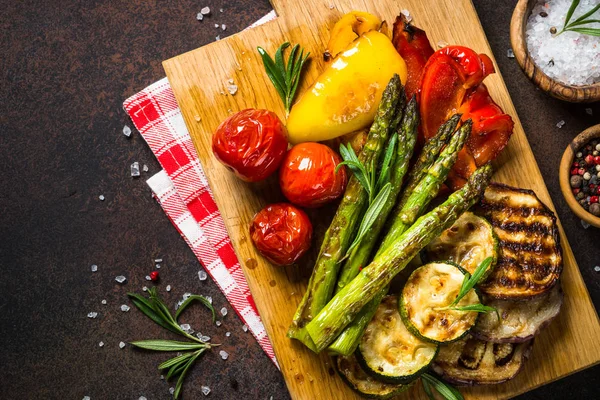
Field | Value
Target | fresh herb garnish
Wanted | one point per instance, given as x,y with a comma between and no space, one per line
378,187
469,283
155,309
447,391
285,78
578,24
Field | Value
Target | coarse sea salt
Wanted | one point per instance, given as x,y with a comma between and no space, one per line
135,169
569,57
120,279
205,390
224,355
92,314
126,131
101,344
86,398
125,307
223,311
202,275
122,345
94,268
168,288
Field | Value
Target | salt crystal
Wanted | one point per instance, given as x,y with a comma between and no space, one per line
560,124
205,390
510,53
442,43
218,37
86,398
120,279
171,390
127,131
232,89
224,355
135,169
223,311
168,288
209,299
406,14
205,11
158,260
92,314
199,16
204,338
142,398
223,26
145,288
162,377
220,10
227,334
597,268
185,327
101,344
331,6
218,323
202,275
121,345
125,307
145,168
148,278
94,268
187,295
101,197
197,118
589,111
157,266
216,25
585,224
245,328
103,301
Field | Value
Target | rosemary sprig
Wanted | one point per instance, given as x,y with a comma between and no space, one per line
155,309
469,283
284,77
447,391
576,26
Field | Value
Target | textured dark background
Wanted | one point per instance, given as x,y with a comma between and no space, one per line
66,68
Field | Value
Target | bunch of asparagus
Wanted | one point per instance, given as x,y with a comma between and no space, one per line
324,320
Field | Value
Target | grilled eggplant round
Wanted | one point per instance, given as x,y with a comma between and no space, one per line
428,290
390,352
471,361
363,383
529,254
520,320
468,242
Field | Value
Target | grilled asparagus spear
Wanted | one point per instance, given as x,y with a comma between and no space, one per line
340,233
407,137
417,201
345,306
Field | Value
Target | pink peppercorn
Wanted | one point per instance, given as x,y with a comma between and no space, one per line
575,171
576,190
593,199
581,171
597,160
589,159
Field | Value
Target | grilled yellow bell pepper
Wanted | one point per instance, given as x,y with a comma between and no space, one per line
345,97
349,28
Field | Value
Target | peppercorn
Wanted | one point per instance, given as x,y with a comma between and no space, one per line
597,160
154,276
595,209
589,159
553,30
586,189
593,199
581,171
576,181
543,14
587,176
580,196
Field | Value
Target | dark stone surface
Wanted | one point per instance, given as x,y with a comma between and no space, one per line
66,69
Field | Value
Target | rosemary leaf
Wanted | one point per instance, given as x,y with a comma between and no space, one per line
146,308
587,14
585,22
574,5
271,70
447,391
167,345
201,299
427,389
473,307
279,61
175,360
390,152
183,373
471,280
587,31
290,67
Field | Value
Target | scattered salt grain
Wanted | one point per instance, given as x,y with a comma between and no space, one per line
232,89
442,43
510,53
199,16
162,377
142,398
220,10
589,111
202,275
122,345
223,311
86,398
205,390
103,302
209,299
187,295
168,288
597,268
223,26
560,124
218,323
127,131
145,168
245,328
157,266
125,307
198,118
331,6
406,13
135,169
120,279
94,268
171,390
218,37
204,338
145,288
101,344
227,334
216,25
148,278
224,355
585,224
101,197
205,11
158,260
92,314
185,327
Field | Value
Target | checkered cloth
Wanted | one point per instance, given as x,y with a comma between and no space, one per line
182,190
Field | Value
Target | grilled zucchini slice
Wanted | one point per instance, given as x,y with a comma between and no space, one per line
388,351
470,361
363,383
429,288
467,243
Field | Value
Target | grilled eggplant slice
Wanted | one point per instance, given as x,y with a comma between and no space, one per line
363,383
529,259
388,351
520,320
468,242
471,361
429,288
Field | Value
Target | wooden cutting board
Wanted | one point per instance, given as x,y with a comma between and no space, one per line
200,79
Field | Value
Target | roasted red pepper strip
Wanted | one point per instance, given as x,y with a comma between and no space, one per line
413,45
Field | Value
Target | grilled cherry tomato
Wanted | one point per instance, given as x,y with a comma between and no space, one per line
281,232
252,143
307,175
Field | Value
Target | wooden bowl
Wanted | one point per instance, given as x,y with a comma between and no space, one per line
518,41
564,174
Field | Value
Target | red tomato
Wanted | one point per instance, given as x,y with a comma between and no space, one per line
281,232
307,175
252,143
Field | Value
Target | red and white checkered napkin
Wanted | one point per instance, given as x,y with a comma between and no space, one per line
182,190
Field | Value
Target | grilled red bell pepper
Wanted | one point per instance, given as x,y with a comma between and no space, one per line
413,45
